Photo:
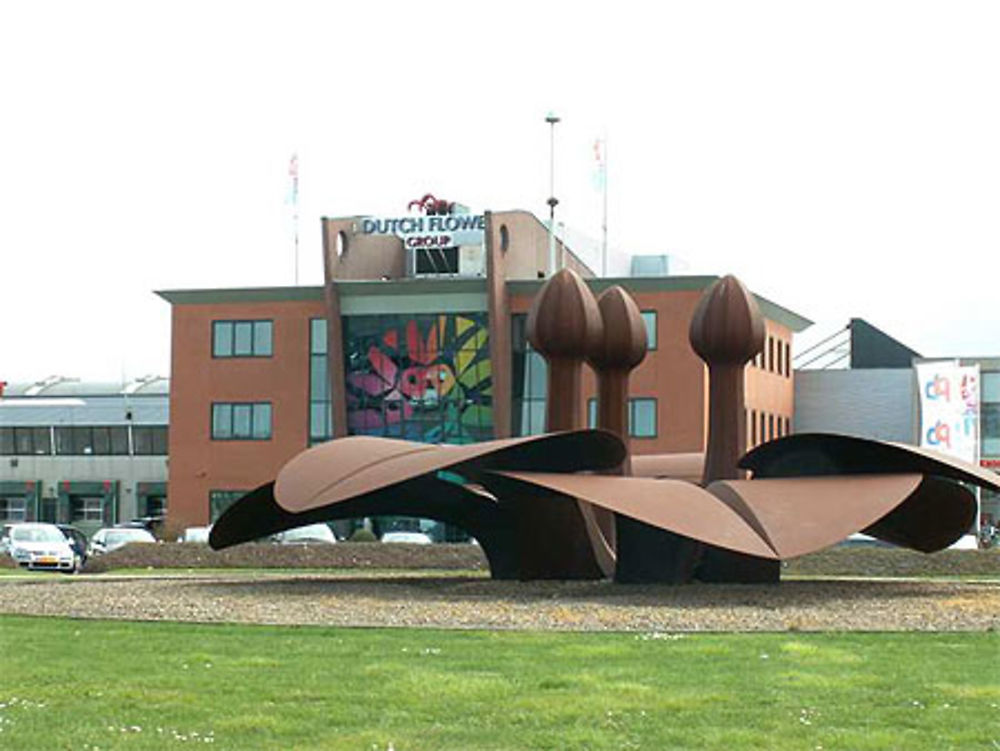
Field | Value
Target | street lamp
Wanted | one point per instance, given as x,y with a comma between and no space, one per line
551,119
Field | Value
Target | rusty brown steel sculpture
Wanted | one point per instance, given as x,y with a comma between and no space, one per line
620,349
727,330
564,326
644,552
533,502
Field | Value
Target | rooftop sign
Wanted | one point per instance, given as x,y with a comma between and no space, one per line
434,231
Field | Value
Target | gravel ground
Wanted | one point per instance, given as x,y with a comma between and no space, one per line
468,602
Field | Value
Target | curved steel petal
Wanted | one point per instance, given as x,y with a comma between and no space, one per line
673,505
803,514
933,517
348,467
834,454
258,515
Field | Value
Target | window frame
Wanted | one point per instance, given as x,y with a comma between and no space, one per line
632,402
652,335
232,324
254,408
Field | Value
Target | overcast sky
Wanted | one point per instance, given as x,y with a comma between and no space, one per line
842,158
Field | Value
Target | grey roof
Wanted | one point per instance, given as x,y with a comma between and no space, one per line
63,386
246,294
49,409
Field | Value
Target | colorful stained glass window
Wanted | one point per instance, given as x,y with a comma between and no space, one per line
419,377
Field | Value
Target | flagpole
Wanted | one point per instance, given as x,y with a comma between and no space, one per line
293,171
604,220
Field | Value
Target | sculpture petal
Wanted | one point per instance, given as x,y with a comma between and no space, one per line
834,454
348,467
668,504
803,514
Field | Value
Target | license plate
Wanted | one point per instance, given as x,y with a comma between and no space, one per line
48,559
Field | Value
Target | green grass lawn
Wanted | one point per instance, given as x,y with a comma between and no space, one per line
67,684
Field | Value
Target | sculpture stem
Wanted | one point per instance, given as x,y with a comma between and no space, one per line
727,429
565,386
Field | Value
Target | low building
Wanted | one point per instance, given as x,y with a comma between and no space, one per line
877,395
90,454
419,333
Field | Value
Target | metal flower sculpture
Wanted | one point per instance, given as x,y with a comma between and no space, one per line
570,504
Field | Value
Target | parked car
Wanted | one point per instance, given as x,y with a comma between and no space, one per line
195,534
414,538
111,538
35,545
965,542
311,533
860,540
77,540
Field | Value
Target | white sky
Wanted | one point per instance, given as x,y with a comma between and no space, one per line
842,158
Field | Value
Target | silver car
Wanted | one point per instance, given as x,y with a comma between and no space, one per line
39,546
111,538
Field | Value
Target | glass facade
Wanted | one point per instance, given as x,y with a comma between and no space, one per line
149,440
529,373
84,440
220,500
26,441
989,429
419,377
320,409
92,440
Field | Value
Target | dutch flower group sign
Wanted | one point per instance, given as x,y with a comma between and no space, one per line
949,408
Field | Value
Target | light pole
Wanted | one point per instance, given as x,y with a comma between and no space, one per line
551,119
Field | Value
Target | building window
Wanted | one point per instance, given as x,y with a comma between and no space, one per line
788,360
236,421
87,508
26,441
242,338
13,509
92,440
990,428
529,384
753,427
320,404
421,377
149,440
436,260
220,500
649,318
989,413
641,416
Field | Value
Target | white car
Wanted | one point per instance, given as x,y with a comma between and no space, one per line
39,546
310,533
111,538
414,538
195,534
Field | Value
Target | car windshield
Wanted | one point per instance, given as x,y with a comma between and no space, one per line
122,536
36,534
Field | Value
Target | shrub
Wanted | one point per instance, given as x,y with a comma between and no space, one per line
362,535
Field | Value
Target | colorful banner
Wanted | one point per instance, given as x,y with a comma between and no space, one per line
949,408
